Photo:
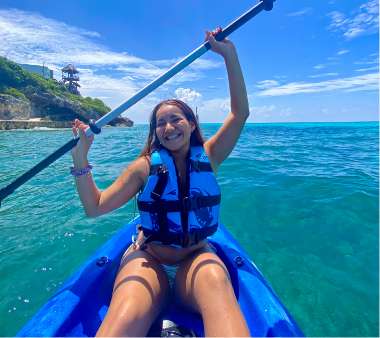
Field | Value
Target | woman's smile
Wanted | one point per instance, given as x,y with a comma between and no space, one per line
173,136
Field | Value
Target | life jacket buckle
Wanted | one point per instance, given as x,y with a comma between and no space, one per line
162,170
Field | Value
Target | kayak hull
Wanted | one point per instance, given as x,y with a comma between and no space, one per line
78,308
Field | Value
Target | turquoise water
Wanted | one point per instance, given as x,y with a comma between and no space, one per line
302,199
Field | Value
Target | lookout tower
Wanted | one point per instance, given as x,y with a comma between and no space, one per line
70,78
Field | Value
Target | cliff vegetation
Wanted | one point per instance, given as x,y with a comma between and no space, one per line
27,95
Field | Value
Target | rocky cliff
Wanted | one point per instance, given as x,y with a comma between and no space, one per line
25,95
14,108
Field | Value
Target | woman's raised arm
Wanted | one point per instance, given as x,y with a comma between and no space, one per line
220,145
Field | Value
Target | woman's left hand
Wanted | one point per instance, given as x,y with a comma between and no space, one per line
224,47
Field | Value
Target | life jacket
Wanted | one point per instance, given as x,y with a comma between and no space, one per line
172,216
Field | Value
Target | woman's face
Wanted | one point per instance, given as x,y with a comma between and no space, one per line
173,130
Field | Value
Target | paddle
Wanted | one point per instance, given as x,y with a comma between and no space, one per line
104,120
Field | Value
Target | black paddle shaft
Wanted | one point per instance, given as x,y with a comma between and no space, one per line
10,188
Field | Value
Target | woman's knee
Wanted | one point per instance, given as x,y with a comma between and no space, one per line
203,277
214,277
210,284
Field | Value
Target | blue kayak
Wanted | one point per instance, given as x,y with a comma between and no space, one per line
78,308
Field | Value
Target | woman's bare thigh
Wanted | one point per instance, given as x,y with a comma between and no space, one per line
203,284
140,292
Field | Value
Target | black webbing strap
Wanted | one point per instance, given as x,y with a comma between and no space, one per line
189,203
200,166
162,220
163,176
195,166
155,169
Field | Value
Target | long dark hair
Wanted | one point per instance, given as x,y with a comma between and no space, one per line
152,143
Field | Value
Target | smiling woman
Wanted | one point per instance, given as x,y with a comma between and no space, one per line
169,121
282,179
179,203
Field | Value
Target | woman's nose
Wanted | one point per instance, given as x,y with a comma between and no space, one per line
169,126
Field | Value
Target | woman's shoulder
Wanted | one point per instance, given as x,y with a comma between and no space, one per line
142,164
140,167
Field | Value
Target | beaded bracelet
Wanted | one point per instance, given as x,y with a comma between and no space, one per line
80,172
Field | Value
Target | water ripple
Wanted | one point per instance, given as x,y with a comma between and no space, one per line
301,199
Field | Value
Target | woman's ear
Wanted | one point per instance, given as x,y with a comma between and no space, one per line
192,125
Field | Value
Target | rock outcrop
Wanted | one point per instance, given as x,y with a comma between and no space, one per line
25,96
14,108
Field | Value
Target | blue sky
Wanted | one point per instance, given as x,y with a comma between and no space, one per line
304,61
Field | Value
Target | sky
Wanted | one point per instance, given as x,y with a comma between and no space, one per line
304,61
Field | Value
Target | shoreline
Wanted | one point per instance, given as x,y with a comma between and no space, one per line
32,123
38,123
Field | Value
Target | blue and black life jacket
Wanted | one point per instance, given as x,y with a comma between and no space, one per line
172,216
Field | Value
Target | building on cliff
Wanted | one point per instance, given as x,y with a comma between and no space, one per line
40,70
27,101
70,78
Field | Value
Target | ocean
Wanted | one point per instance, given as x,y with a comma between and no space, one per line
302,199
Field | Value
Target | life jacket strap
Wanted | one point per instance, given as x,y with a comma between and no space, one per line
163,176
188,203
200,166
157,169
194,165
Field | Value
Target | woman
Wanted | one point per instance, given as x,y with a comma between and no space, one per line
202,282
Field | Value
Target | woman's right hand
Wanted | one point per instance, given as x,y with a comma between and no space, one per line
80,151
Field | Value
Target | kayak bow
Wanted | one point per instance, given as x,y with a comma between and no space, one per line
78,308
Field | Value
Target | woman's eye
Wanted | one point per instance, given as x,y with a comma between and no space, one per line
174,120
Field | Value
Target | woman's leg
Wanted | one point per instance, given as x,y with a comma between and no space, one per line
140,291
203,284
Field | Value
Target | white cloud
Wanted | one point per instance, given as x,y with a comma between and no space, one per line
365,20
31,38
262,110
214,109
320,66
323,75
188,95
266,84
205,64
301,12
367,69
356,83
374,61
343,51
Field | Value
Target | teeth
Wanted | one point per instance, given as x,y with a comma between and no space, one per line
172,137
